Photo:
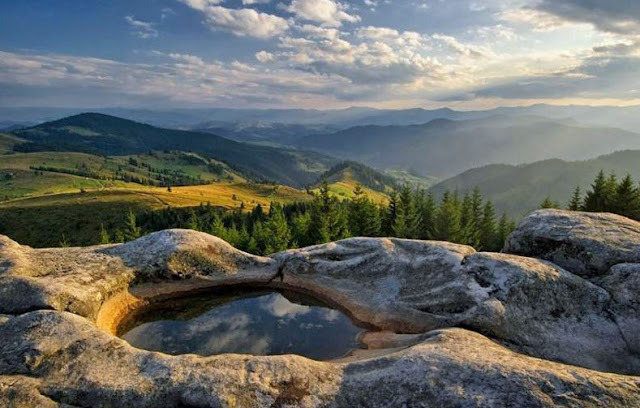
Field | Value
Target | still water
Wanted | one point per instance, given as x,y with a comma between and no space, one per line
259,323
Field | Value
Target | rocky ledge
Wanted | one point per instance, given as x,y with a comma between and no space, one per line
559,327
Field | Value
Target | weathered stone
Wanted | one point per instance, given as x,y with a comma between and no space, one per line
623,282
587,244
63,306
79,365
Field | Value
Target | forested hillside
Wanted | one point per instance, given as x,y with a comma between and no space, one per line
517,190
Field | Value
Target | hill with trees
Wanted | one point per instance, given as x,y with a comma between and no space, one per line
443,148
107,135
518,190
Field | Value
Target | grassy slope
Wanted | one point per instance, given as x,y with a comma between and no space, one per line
37,209
41,221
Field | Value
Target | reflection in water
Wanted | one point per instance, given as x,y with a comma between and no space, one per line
260,323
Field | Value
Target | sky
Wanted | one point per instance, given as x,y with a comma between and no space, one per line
325,54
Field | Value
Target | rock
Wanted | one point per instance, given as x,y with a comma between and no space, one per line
60,309
587,244
415,286
74,363
623,282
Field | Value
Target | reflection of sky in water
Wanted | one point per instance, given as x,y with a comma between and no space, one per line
263,324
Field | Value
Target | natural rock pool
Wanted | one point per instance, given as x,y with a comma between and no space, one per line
257,322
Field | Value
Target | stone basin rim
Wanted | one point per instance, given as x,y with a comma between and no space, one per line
115,313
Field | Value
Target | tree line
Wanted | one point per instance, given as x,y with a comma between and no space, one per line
410,213
606,194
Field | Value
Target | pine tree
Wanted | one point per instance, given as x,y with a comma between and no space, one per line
488,228
447,223
505,227
428,211
216,227
364,218
63,242
300,229
391,214
193,223
318,225
576,200
548,203
477,210
468,226
277,231
132,231
598,197
104,235
408,221
118,236
627,200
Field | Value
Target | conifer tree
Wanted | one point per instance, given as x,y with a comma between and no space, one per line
576,200
505,227
216,227
132,231
428,212
488,227
318,225
104,235
627,201
300,229
477,210
391,214
597,199
548,203
468,226
277,231
407,223
193,223
118,236
447,224
364,219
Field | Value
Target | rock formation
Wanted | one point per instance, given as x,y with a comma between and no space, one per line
559,327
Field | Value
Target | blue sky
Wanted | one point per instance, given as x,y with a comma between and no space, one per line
466,54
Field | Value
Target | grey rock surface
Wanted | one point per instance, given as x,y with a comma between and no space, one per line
537,333
587,244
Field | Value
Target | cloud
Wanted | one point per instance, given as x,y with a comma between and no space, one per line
140,28
264,56
616,16
328,13
241,22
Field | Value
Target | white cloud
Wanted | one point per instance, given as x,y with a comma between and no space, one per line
140,28
264,56
241,22
329,13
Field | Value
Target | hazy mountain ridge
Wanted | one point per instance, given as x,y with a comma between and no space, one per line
627,118
442,148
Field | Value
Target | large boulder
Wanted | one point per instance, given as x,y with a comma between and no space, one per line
587,244
60,309
59,359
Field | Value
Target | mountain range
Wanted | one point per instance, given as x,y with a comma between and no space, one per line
103,134
443,148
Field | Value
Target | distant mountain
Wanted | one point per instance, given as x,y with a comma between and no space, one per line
356,173
102,134
443,148
627,118
264,132
518,190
